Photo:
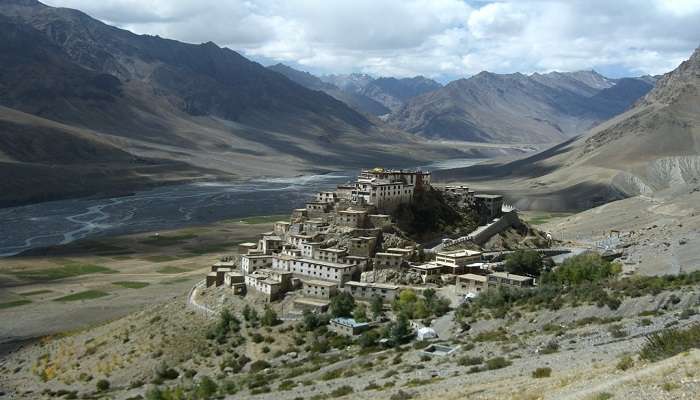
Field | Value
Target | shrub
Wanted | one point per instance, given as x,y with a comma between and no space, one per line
259,365
342,391
549,348
527,262
467,361
497,363
625,363
205,388
102,385
670,342
616,331
342,305
542,372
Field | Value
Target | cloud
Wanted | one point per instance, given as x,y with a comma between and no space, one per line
444,39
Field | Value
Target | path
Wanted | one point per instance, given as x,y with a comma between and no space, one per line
192,301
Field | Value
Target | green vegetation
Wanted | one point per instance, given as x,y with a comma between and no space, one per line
85,295
342,305
171,270
413,306
602,396
264,219
625,363
160,259
102,385
469,361
497,363
269,317
36,292
15,303
131,284
542,372
227,325
524,262
540,218
342,391
670,342
68,270
585,278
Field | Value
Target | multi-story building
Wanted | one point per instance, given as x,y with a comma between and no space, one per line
330,254
488,207
456,261
271,283
318,289
366,290
330,271
351,218
512,280
252,263
362,246
470,283
388,260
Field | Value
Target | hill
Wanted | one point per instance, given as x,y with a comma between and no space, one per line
540,108
653,147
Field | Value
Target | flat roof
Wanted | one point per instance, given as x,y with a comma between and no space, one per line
488,196
248,244
380,215
352,212
324,263
333,250
400,250
427,266
272,237
283,222
387,254
369,284
473,277
311,302
317,282
458,253
511,276
256,256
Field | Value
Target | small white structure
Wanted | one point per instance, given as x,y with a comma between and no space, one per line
426,333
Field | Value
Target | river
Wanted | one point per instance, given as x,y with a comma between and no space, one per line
168,207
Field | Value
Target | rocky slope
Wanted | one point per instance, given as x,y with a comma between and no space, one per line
540,108
652,147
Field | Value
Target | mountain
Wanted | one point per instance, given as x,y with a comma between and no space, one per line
653,147
355,100
155,110
540,108
392,93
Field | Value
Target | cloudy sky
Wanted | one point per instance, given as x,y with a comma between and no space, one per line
442,39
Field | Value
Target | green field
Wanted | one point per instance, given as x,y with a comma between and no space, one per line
264,219
86,295
68,270
171,270
36,292
131,285
15,303
540,218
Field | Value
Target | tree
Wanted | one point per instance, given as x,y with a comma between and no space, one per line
360,313
269,318
368,339
421,310
102,385
376,306
342,305
429,295
400,329
527,262
205,388
310,320
406,303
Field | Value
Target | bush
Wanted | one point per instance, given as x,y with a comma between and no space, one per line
467,361
524,262
497,363
549,348
625,363
259,365
670,342
163,372
616,331
205,388
542,372
102,385
587,267
342,305
342,391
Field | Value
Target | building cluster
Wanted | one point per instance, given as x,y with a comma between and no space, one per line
327,245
